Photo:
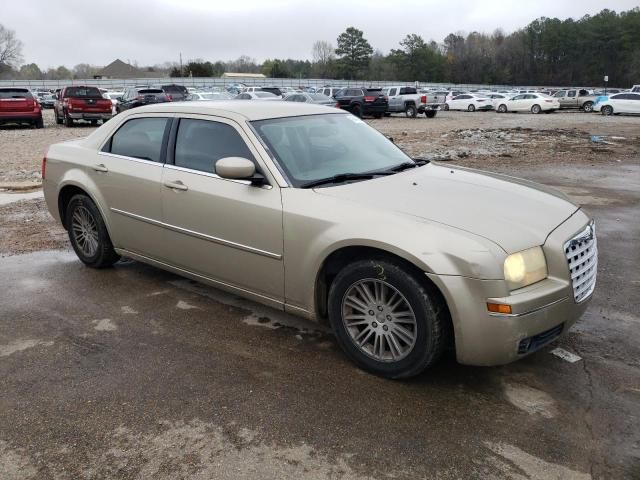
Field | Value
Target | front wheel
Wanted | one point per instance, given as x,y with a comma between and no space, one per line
386,321
536,109
58,119
410,110
430,113
68,121
502,108
471,108
607,110
88,233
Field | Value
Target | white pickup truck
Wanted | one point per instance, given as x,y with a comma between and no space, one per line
409,101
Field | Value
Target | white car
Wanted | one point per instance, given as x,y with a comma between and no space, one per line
113,96
497,98
469,102
208,96
529,102
264,96
628,102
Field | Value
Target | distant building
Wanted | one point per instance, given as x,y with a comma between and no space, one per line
120,69
242,75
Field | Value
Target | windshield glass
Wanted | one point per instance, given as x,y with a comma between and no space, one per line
264,94
315,147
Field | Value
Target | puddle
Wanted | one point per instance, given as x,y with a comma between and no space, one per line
531,400
6,198
105,325
20,345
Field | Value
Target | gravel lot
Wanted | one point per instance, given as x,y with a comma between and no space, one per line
132,372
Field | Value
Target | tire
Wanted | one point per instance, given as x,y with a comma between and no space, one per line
446,107
387,114
471,108
410,110
536,109
58,119
588,107
94,122
502,108
68,121
82,216
378,115
607,110
425,326
430,113
357,111
39,123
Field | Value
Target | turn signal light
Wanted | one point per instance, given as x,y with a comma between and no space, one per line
499,308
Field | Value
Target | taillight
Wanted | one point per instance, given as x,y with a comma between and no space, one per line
140,97
169,97
338,105
369,99
423,99
44,166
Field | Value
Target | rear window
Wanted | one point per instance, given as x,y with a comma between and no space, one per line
84,92
150,90
15,93
174,89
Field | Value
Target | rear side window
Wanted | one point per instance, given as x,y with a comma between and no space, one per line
201,143
84,92
139,138
15,93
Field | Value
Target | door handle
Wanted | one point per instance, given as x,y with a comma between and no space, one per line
100,168
177,185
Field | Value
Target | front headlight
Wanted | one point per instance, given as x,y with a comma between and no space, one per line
524,268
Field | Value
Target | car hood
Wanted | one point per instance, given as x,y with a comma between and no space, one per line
513,213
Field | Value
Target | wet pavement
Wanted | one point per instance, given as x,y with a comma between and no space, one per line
133,372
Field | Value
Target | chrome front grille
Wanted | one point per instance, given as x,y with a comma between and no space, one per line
582,256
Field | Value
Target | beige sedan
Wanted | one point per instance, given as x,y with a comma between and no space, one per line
309,210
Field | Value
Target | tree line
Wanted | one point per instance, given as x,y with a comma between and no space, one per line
548,51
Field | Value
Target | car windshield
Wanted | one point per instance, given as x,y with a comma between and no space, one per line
315,147
264,95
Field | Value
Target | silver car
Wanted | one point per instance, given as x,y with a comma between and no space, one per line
309,210
315,98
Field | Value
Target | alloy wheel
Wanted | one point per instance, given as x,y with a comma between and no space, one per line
379,320
85,231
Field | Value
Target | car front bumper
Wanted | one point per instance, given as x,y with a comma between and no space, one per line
541,312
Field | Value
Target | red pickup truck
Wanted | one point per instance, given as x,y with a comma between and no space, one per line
81,103
18,105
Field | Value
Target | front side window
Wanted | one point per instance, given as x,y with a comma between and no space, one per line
201,143
314,147
139,138
572,93
560,94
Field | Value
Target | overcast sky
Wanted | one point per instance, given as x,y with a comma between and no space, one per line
69,32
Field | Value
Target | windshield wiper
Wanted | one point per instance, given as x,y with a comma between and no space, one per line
341,177
417,162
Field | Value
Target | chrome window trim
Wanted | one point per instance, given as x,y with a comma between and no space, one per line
133,159
201,236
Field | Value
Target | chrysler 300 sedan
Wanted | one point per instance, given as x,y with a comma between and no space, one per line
308,209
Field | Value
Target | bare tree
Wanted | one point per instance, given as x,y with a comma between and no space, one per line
323,55
10,48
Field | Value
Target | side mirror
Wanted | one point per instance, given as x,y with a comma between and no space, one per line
237,168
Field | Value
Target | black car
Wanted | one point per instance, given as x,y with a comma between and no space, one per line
176,93
137,97
363,101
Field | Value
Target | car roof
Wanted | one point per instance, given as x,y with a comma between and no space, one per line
238,109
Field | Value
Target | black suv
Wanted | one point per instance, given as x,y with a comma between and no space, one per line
274,90
176,93
137,97
363,101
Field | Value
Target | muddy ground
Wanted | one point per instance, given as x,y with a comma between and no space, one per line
132,372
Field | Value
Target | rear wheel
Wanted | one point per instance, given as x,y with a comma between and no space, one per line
357,111
39,123
430,113
377,115
410,110
471,108
536,109
385,320
94,122
588,107
88,233
502,108
607,110
68,121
